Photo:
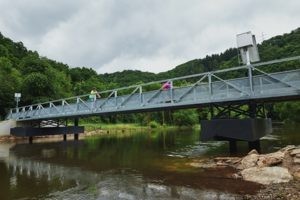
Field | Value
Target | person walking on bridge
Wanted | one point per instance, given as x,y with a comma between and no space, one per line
94,95
166,86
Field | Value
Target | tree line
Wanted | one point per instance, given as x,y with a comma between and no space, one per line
41,79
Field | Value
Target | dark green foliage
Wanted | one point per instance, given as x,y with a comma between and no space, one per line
33,64
37,87
153,124
188,117
128,77
81,74
286,45
290,111
10,83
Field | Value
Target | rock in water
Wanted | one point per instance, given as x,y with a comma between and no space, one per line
266,175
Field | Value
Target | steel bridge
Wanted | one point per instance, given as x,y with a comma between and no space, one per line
225,89
192,91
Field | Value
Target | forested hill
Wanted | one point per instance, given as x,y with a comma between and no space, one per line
40,79
281,46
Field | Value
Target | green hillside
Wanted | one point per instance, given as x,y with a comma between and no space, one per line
41,79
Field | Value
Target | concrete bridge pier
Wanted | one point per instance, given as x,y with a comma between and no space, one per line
254,145
30,139
234,123
76,121
232,146
65,134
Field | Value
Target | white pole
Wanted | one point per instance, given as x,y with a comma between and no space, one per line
248,57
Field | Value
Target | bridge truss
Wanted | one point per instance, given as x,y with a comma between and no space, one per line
250,83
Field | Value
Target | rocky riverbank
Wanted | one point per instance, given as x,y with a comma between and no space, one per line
10,138
278,172
278,167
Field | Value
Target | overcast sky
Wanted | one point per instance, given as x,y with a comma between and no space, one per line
148,35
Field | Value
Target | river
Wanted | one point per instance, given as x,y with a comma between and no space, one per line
129,165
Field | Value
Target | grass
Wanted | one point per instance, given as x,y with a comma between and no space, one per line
95,126
126,127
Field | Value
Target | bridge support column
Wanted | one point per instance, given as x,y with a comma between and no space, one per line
30,139
232,146
254,145
76,120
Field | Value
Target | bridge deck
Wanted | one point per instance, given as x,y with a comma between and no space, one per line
206,88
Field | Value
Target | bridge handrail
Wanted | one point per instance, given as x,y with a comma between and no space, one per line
161,81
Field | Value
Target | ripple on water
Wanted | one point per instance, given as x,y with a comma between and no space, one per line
131,187
194,150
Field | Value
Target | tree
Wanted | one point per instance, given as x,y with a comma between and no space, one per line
3,51
187,117
81,74
11,81
37,88
32,63
288,111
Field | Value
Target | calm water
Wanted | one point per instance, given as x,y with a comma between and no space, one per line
150,165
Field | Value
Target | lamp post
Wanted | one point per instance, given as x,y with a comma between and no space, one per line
17,99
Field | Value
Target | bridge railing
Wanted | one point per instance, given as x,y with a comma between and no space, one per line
248,82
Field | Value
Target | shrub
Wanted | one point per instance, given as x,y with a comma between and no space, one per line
187,117
153,124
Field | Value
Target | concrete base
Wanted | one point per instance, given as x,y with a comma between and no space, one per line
4,150
5,127
236,129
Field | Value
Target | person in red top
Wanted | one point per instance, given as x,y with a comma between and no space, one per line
166,86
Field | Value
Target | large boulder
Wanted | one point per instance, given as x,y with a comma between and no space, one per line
295,151
270,159
266,175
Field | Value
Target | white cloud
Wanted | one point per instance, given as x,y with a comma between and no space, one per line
149,35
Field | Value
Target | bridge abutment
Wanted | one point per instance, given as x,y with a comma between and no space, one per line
44,128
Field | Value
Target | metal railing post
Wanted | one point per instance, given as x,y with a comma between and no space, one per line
115,96
261,85
77,104
141,94
171,90
209,85
63,106
250,79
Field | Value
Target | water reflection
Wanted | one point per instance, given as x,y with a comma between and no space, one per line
127,166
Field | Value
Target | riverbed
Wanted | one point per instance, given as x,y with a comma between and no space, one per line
127,165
